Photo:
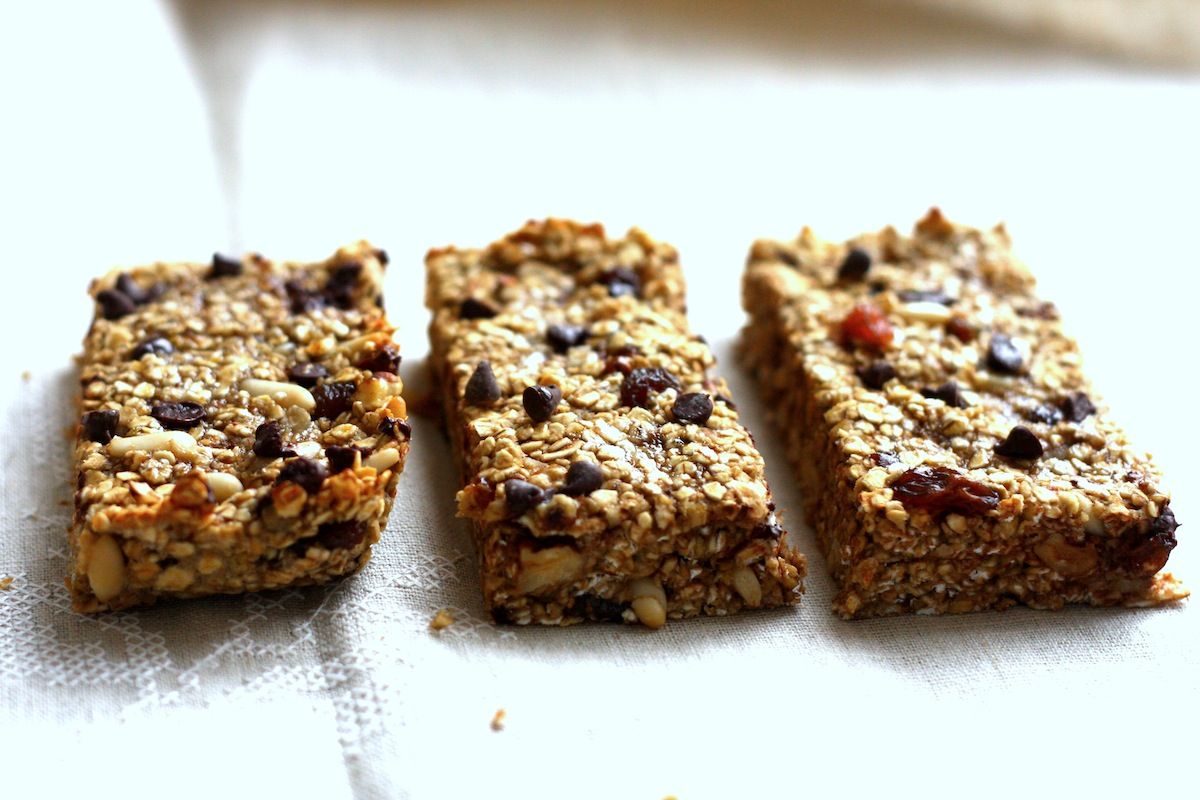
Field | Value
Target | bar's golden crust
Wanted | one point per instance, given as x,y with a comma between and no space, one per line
194,511
679,503
1086,522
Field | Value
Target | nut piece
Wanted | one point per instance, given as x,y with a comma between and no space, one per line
924,311
223,484
106,569
285,394
383,459
649,602
1068,560
547,568
176,441
747,585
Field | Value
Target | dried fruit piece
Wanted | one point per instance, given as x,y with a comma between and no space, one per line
393,426
1003,355
101,426
563,337
341,535
960,329
855,265
341,458
268,441
639,383
177,416
597,609
1077,407
867,326
1145,553
334,398
307,374
876,374
520,496
223,267
766,530
541,401
384,359
583,477
948,393
940,489
694,407
306,473
156,345
471,308
482,388
1021,443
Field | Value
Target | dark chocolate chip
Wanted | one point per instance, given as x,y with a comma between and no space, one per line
876,374
302,299
482,389
393,426
385,359
382,257
639,383
268,441
307,373
306,473
131,289
766,530
334,398
341,457
471,308
694,407
1003,356
1046,414
948,393
1077,407
541,401
855,265
1145,552
156,345
223,267
100,426
597,609
621,281
563,337
501,616
341,535
720,398
926,296
583,477
115,304
1021,443
341,284
177,416
520,496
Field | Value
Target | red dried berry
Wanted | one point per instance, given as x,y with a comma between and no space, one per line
939,489
639,383
867,326
960,329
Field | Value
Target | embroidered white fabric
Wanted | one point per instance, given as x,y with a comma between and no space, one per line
140,131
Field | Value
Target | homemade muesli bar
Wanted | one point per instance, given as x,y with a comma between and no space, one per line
604,469
952,454
242,428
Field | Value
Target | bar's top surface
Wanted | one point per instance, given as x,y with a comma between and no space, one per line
184,363
883,323
622,360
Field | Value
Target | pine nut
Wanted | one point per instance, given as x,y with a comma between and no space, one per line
747,585
649,602
106,569
383,459
223,484
308,449
924,311
175,441
285,394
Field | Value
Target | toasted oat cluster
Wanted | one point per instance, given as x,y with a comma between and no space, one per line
603,465
242,428
953,455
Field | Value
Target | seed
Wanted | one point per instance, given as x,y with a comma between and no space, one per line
100,426
305,473
177,416
472,308
156,345
285,394
114,304
307,373
583,477
1021,443
855,265
694,407
1003,356
563,337
876,374
106,569
541,401
223,267
520,496
482,389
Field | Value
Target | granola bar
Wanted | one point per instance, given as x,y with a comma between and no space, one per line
952,453
242,428
604,469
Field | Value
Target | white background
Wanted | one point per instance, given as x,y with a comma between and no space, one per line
140,131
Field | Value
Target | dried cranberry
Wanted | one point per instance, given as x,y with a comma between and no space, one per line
305,473
520,496
1146,552
541,401
156,345
307,373
482,388
583,477
876,374
1021,444
694,407
341,535
948,393
1077,407
1003,355
334,398
268,441
177,416
867,326
639,383
940,489
855,265
223,267
472,308
960,329
385,359
100,426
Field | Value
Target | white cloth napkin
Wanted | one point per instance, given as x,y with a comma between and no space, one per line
139,132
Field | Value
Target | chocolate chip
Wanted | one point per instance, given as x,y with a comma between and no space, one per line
597,609
583,477
694,407
876,374
302,299
855,265
268,441
100,426
520,496
131,289
563,337
177,416
156,345
1046,414
382,257
639,383
334,398
720,398
305,473
472,308
1145,552
393,426
1021,443
621,281
341,535
926,296
341,458
341,284
1003,356
541,401
948,393
766,530
482,389
1077,407
223,267
385,359
114,304
307,373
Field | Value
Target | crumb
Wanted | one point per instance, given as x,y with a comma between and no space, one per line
26,375
442,619
498,719
6,583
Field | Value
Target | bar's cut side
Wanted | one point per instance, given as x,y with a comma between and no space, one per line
952,454
242,428
604,469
